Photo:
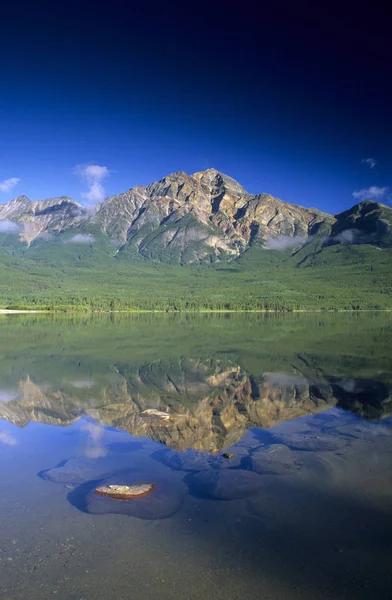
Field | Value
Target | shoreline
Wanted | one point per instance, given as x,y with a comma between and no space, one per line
12,311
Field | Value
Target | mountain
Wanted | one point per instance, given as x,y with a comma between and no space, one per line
364,223
201,217
204,219
204,216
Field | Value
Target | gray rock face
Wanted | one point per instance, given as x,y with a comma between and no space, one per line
201,217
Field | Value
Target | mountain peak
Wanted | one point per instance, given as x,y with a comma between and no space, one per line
214,177
365,207
16,208
20,199
56,201
210,171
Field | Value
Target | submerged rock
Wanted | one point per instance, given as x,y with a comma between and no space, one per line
308,442
226,484
275,459
125,492
194,460
73,471
162,500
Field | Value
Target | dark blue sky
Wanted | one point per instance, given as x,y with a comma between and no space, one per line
287,99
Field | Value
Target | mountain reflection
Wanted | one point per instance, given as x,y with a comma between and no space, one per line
199,403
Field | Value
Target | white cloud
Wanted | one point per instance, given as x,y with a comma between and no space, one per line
8,184
373,192
45,235
95,172
285,242
94,447
371,162
7,438
82,238
82,384
8,395
7,226
348,236
93,175
95,194
284,379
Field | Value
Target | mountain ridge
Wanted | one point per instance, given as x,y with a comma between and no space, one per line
203,217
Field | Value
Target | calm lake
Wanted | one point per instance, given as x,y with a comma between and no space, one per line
268,438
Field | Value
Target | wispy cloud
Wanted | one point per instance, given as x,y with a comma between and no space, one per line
7,226
93,175
371,193
8,395
370,162
7,439
284,379
348,236
82,384
285,242
7,184
94,447
82,238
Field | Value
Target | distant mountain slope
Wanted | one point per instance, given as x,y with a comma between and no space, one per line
37,218
365,223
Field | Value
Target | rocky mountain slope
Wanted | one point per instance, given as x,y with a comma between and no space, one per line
185,219
32,219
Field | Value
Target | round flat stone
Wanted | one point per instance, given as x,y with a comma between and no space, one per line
125,492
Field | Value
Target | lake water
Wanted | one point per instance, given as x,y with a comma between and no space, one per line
271,459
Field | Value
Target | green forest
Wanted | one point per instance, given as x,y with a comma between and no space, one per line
93,278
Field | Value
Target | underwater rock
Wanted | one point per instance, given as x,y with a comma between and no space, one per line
226,484
194,460
275,459
162,501
310,442
72,471
130,446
